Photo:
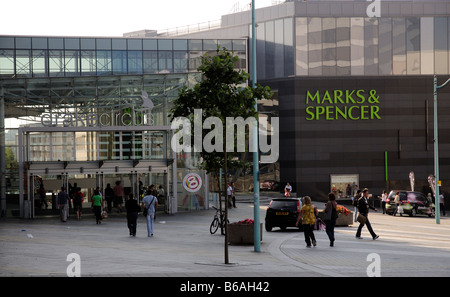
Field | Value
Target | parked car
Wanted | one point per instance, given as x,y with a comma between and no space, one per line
283,213
413,203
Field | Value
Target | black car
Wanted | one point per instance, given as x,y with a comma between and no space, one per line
413,203
283,213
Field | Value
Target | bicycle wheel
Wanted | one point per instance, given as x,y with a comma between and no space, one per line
214,226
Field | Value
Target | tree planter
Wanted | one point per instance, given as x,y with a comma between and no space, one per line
242,233
342,220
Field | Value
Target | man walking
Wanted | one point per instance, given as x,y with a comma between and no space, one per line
150,203
363,208
63,204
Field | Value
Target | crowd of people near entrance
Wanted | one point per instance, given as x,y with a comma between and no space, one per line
103,203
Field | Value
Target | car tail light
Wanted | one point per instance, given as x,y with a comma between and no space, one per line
270,203
298,206
388,200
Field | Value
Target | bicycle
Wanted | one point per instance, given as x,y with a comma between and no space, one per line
218,221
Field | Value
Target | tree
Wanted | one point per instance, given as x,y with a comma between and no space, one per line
222,93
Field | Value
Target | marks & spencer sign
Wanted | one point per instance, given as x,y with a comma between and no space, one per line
342,104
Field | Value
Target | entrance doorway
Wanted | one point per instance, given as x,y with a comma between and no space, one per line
135,171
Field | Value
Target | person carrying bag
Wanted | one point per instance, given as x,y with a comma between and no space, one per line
331,216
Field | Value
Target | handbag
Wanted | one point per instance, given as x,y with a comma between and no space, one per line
361,219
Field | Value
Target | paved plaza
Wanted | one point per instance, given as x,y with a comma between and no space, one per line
183,247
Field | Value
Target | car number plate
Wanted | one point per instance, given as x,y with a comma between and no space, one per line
282,213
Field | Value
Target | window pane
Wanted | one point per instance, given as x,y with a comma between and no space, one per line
357,46
270,49
180,44
329,46
399,46
134,44
441,45
315,46
72,63
413,45
427,45
6,63
165,61
135,62
301,39
260,51
23,63
371,46
56,62
39,43
165,44
180,61
279,48
385,46
71,43
150,61
88,63
195,60
104,62
39,63
88,43
119,59
343,46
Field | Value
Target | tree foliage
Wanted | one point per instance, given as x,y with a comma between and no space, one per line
222,93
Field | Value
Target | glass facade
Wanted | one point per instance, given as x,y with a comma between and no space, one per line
79,101
334,46
69,57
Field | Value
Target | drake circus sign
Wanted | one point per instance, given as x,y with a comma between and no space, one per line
342,104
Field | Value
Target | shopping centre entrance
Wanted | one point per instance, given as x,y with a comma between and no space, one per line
134,156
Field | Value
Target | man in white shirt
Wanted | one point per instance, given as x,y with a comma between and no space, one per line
150,203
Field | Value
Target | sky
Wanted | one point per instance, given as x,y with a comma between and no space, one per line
110,18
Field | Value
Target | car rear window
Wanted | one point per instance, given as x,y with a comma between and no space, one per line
277,204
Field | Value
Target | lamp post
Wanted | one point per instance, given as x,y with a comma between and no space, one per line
436,151
256,231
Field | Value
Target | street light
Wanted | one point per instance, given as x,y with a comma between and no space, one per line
436,151
256,231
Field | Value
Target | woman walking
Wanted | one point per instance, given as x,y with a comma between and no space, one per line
308,215
331,217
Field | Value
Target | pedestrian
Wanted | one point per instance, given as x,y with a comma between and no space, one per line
132,214
77,202
109,197
150,203
308,214
63,204
287,190
356,197
118,196
229,195
441,203
233,195
363,208
397,204
42,196
331,216
383,201
97,202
